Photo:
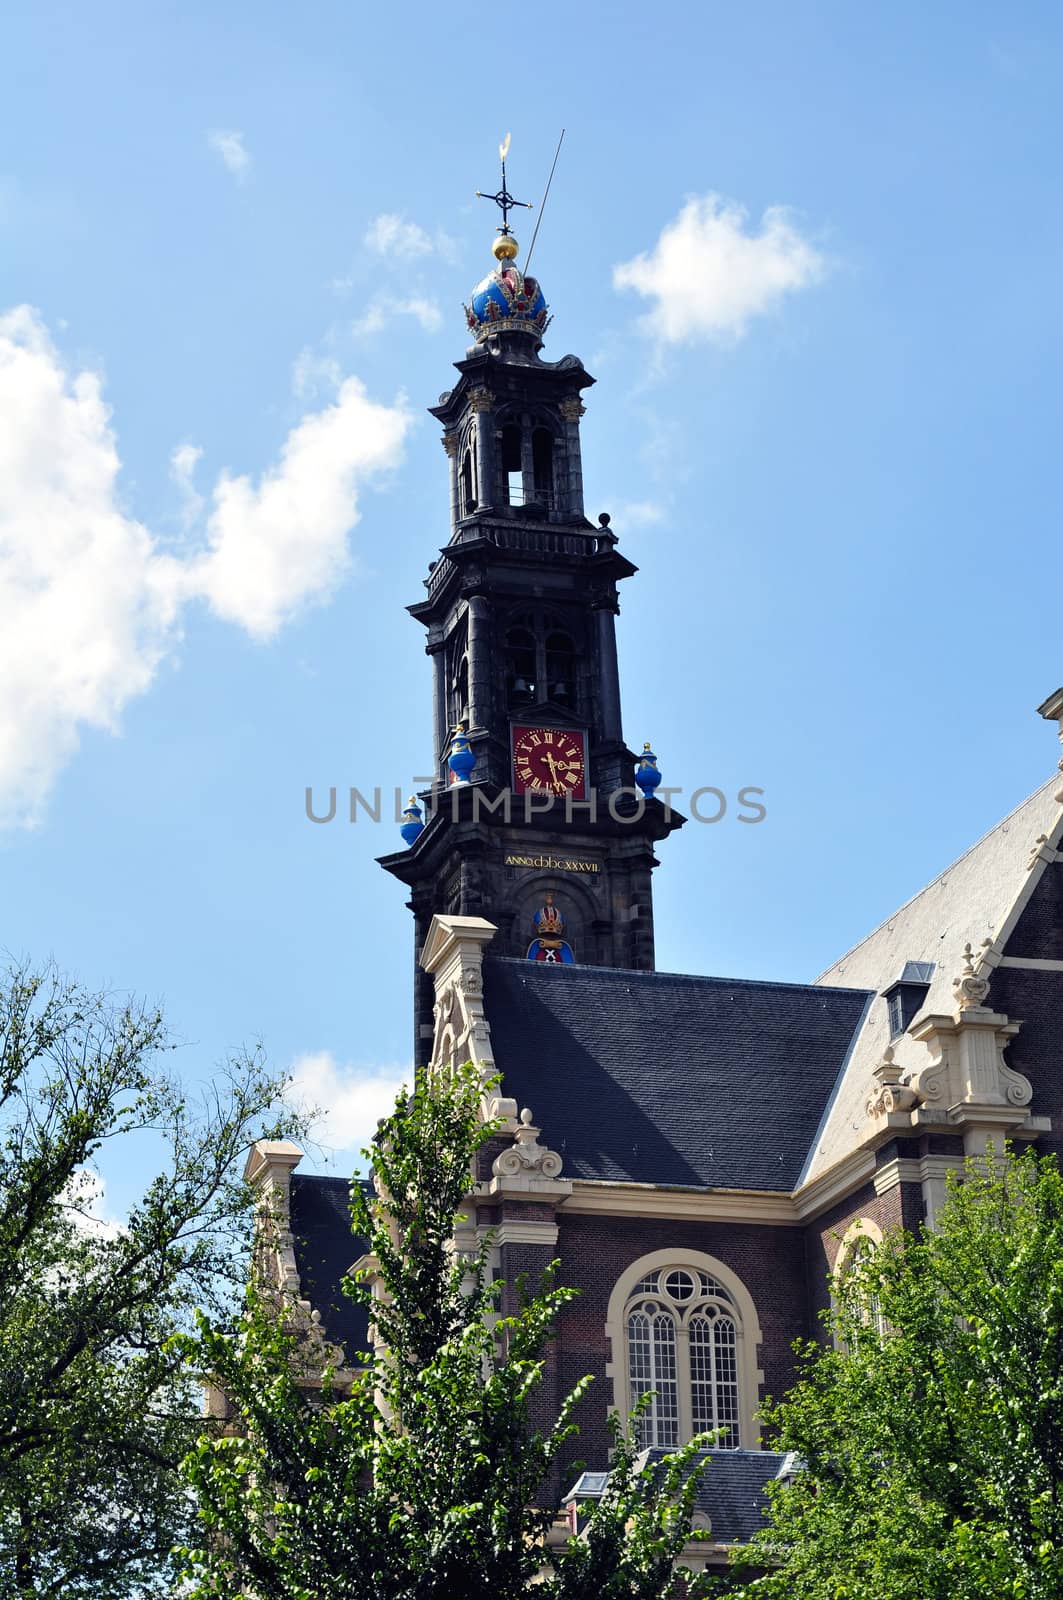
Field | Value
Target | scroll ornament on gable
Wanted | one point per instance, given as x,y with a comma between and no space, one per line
526,1156
966,1073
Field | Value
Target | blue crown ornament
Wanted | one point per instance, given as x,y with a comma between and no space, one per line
646,774
461,759
412,821
507,302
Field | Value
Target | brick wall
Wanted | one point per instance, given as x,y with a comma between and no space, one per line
595,1250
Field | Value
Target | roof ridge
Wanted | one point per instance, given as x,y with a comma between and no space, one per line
686,977
331,1177
944,873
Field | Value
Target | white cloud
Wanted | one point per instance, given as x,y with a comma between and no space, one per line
637,514
383,308
276,544
229,145
312,372
391,234
183,462
351,1100
709,273
91,603
87,601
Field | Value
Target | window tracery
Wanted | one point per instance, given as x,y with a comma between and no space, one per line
682,1343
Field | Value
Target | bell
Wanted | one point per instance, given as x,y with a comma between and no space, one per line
560,691
520,686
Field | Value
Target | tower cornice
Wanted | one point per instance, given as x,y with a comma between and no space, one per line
494,543
508,379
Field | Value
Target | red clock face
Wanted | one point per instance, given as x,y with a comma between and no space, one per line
549,761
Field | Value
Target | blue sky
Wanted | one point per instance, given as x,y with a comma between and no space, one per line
812,255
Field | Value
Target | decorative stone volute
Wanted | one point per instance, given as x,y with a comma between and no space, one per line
453,954
526,1155
889,1093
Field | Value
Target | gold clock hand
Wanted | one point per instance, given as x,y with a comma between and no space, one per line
553,765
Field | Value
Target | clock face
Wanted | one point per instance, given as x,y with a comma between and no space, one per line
549,761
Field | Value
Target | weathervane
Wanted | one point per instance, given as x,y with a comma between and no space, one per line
503,199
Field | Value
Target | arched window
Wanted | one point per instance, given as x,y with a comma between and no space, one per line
522,673
468,492
543,466
683,1326
461,692
512,466
858,1246
458,677
560,669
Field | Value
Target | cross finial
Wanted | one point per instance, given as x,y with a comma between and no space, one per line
503,199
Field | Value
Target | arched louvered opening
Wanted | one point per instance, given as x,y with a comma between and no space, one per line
522,672
458,677
512,465
543,466
560,668
468,490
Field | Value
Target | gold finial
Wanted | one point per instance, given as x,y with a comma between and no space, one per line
505,247
647,747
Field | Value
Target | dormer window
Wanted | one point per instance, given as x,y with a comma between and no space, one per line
906,996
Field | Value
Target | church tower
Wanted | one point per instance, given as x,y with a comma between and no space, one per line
533,820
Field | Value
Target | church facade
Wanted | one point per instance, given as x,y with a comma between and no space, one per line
703,1155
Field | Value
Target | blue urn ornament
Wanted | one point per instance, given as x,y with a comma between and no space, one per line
646,774
461,759
412,821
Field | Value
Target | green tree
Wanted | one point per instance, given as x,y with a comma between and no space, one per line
421,1475
932,1434
96,1409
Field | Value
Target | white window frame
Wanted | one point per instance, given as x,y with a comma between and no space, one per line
748,1339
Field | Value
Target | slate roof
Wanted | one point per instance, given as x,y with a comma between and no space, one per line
974,899
325,1250
651,1077
732,1492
